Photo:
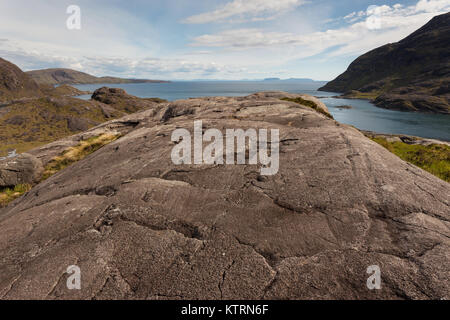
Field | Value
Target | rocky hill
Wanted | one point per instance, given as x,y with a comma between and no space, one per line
69,76
140,227
33,115
410,75
32,122
15,84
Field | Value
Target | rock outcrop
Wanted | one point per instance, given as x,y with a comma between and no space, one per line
123,101
22,169
62,91
140,227
15,84
410,75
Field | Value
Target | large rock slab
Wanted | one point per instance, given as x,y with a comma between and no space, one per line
140,227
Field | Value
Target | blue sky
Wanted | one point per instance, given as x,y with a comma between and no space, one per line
208,39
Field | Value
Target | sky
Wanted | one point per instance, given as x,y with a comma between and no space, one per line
205,39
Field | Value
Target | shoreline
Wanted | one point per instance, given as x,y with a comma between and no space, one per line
373,101
408,139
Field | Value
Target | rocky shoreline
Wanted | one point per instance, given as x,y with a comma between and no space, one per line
405,138
422,103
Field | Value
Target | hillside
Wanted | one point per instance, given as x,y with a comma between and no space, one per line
33,115
410,75
140,227
27,124
68,76
15,84
34,122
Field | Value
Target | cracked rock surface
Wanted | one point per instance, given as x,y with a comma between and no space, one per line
140,227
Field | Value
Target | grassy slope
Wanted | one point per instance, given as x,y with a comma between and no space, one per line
433,158
362,95
78,153
59,163
62,90
33,123
309,104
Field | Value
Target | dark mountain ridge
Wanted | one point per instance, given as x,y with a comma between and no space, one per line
411,75
68,76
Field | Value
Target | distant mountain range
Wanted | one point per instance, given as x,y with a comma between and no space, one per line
69,76
410,75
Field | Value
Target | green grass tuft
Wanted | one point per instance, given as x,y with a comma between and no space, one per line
354,94
7,194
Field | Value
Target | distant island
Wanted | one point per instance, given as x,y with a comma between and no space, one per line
304,80
410,75
292,80
68,76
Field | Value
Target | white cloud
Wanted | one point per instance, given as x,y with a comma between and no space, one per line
149,68
433,5
400,11
109,44
245,8
166,68
378,10
376,26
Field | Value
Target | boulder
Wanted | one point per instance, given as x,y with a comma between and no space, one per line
121,100
22,169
